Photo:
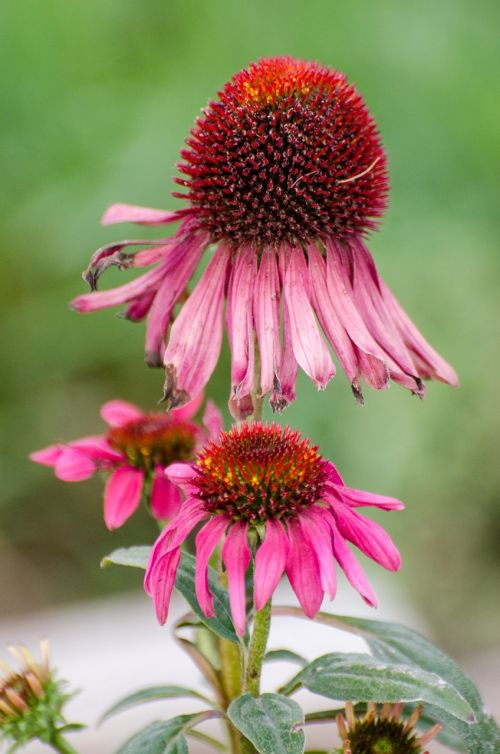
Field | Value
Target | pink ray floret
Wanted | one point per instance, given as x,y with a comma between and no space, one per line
268,481
138,447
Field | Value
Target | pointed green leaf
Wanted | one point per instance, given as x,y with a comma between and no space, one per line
285,655
165,737
150,694
271,722
221,623
364,678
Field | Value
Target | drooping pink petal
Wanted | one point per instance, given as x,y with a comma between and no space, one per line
212,420
130,213
206,542
74,466
361,498
371,538
270,562
196,335
308,346
173,535
137,309
303,572
165,496
236,557
437,367
352,569
239,320
47,456
122,495
117,413
186,412
318,533
161,582
266,310
284,390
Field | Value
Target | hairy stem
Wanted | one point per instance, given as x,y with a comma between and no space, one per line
257,650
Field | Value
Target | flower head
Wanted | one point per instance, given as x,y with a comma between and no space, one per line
382,732
284,173
266,485
31,699
135,451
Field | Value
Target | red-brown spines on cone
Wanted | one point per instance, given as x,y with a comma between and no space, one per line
289,151
257,472
154,439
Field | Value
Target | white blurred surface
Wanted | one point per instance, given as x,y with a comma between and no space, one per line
111,647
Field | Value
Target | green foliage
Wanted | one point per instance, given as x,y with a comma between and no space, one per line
150,694
271,722
285,655
165,737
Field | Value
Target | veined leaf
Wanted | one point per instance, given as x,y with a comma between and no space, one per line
271,722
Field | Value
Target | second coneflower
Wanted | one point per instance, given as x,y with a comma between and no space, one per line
284,173
264,492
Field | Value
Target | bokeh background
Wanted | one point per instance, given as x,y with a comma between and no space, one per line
97,97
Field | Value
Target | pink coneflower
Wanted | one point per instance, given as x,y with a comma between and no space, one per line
136,450
284,173
268,482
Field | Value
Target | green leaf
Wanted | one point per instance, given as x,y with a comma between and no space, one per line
394,643
271,722
221,623
150,694
285,655
364,678
482,737
134,557
165,737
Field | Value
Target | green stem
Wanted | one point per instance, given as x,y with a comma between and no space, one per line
60,744
257,650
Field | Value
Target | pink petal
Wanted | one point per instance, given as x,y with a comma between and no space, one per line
130,213
371,538
74,466
284,391
122,294
182,474
165,496
137,309
117,413
47,456
303,572
270,562
188,410
206,541
122,495
97,448
308,346
333,473
359,498
212,420
173,535
161,583
266,308
236,557
196,336
318,533
352,569
240,320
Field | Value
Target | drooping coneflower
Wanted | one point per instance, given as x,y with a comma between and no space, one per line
31,698
284,174
136,450
383,731
265,492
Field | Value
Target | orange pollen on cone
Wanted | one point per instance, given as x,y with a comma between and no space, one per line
155,439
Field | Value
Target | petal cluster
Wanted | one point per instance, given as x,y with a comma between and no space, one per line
301,533
138,447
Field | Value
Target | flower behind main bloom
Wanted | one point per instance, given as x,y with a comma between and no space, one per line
268,482
137,448
285,173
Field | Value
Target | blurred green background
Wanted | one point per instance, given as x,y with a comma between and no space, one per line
97,97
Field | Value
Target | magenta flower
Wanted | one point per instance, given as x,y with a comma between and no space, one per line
284,175
136,450
268,481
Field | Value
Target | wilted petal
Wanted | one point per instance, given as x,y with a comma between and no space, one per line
266,308
236,558
270,562
122,495
165,496
130,213
212,420
239,321
188,410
